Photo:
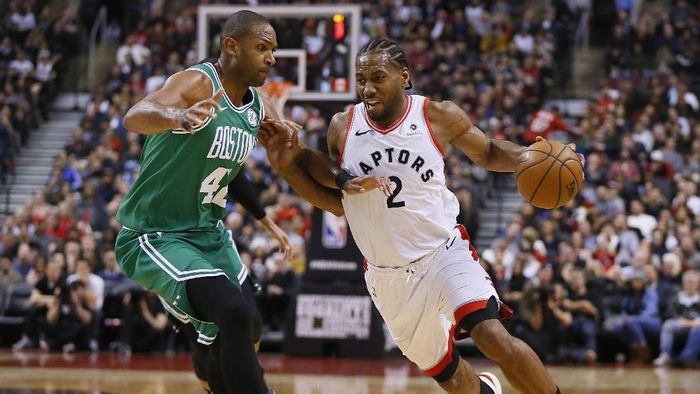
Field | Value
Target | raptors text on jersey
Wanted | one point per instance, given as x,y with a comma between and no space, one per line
421,211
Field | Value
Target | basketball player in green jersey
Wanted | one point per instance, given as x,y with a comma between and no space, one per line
201,126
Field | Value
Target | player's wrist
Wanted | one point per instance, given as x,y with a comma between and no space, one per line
342,178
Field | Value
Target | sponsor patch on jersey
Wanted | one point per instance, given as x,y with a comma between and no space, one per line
253,118
413,130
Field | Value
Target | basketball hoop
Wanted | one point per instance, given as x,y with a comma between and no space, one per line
278,93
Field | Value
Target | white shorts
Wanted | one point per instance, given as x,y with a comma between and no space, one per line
422,302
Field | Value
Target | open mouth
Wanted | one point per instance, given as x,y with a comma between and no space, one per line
372,104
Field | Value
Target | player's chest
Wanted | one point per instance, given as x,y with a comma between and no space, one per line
228,138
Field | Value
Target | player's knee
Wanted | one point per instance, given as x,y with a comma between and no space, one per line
493,340
235,315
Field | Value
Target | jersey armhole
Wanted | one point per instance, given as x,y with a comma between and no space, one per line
426,118
351,116
262,105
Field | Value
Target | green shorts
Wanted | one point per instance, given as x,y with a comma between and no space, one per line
162,262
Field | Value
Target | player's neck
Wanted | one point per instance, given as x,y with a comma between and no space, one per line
394,114
234,90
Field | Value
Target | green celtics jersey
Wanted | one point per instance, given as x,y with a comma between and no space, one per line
184,177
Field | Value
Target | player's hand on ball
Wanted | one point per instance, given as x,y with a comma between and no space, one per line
367,183
581,157
197,114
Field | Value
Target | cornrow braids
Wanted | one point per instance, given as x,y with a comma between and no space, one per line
392,49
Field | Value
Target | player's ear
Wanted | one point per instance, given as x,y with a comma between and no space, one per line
230,46
406,77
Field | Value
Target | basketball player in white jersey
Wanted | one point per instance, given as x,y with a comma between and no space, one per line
422,271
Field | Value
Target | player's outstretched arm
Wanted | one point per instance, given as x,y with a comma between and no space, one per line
322,169
452,125
241,190
184,101
283,150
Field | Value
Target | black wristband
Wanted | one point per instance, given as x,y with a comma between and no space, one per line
242,191
342,178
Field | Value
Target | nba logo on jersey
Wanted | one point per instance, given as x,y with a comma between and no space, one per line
334,234
252,118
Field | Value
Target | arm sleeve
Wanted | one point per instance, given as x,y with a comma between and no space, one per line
242,191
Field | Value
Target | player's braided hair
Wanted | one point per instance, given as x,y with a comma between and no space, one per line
396,54
240,23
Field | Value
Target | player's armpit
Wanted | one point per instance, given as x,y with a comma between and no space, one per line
336,134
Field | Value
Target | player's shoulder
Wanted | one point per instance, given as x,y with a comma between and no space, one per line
443,108
191,83
340,120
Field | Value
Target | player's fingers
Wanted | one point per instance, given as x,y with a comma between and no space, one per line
353,188
291,125
287,251
202,113
572,146
186,124
295,141
218,95
386,185
212,104
539,138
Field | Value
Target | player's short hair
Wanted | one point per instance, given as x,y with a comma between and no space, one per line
392,49
241,23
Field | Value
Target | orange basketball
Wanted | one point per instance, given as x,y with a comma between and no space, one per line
549,174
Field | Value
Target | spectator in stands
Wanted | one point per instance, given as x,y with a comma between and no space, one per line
279,288
144,324
8,276
584,325
543,123
545,320
638,318
132,51
684,323
21,64
42,296
94,285
68,320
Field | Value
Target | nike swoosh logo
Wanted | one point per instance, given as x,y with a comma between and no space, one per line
451,243
359,133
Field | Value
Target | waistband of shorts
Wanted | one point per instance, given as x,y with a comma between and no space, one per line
415,264
219,227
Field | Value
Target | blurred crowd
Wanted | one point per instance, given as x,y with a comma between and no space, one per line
33,45
613,275
617,266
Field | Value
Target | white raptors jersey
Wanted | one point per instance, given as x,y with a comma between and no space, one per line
421,212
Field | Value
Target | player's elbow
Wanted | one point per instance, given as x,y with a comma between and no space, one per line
337,211
129,121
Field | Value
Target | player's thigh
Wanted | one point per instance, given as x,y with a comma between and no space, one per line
225,257
411,314
460,281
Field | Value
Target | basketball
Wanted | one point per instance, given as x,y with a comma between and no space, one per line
549,174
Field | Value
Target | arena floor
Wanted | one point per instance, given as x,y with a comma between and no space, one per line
160,374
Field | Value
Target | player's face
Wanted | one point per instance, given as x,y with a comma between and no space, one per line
381,86
256,56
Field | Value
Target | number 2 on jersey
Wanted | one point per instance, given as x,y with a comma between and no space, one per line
215,193
390,203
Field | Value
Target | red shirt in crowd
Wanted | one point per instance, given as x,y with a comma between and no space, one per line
542,123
